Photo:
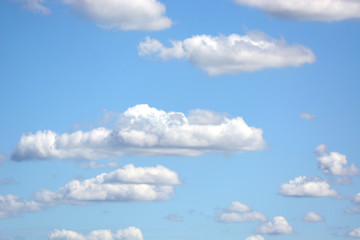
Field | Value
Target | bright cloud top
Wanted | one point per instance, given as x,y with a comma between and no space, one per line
279,225
313,217
231,54
319,10
123,14
125,184
238,212
143,130
307,187
12,206
355,233
334,163
130,233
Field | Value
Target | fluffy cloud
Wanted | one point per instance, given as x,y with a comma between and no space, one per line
143,130
130,233
334,163
12,206
307,187
279,225
122,185
123,14
355,233
319,10
313,217
238,212
231,54
174,217
35,6
256,237
307,116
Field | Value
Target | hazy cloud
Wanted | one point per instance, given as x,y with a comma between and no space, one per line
92,165
313,217
355,233
307,116
356,199
12,206
238,212
174,217
319,10
143,130
35,6
231,54
279,225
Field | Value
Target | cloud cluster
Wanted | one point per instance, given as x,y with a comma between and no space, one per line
279,225
12,206
143,130
130,233
238,212
334,163
231,54
313,217
307,187
355,233
319,10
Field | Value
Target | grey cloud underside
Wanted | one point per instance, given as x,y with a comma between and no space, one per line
142,130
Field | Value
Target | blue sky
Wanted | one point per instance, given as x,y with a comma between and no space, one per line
182,120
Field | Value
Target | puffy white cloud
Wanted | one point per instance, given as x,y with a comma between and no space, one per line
130,233
256,237
355,233
307,187
143,130
313,217
307,116
279,225
334,163
231,54
122,185
174,217
123,14
319,10
35,6
12,206
238,212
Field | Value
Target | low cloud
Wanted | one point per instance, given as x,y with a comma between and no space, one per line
142,130
238,212
307,187
313,217
130,233
218,55
307,116
279,225
355,233
12,206
319,10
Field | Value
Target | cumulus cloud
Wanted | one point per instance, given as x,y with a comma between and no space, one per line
238,212
12,206
125,184
307,187
307,116
130,233
334,163
35,6
319,10
255,237
143,130
231,54
279,225
174,217
355,233
146,15
313,217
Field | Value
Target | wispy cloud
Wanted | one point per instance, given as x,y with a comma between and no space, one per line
36,6
307,116
174,217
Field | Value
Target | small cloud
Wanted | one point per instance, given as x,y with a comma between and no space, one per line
12,206
174,217
92,165
307,116
113,165
279,225
256,237
35,6
356,199
3,158
313,217
238,212
7,181
352,210
355,233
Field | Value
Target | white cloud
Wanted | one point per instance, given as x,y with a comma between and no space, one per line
356,199
143,130
313,217
130,233
256,237
238,212
319,10
12,206
307,187
146,15
122,185
334,163
231,54
307,116
35,6
279,225
174,217
355,233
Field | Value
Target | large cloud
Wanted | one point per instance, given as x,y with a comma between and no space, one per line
143,130
307,187
238,212
279,225
231,54
334,163
313,217
130,233
12,206
319,10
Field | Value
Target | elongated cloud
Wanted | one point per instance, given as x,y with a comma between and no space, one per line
279,225
238,212
130,233
307,187
313,217
142,130
12,206
319,10
231,54
334,163
126,184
